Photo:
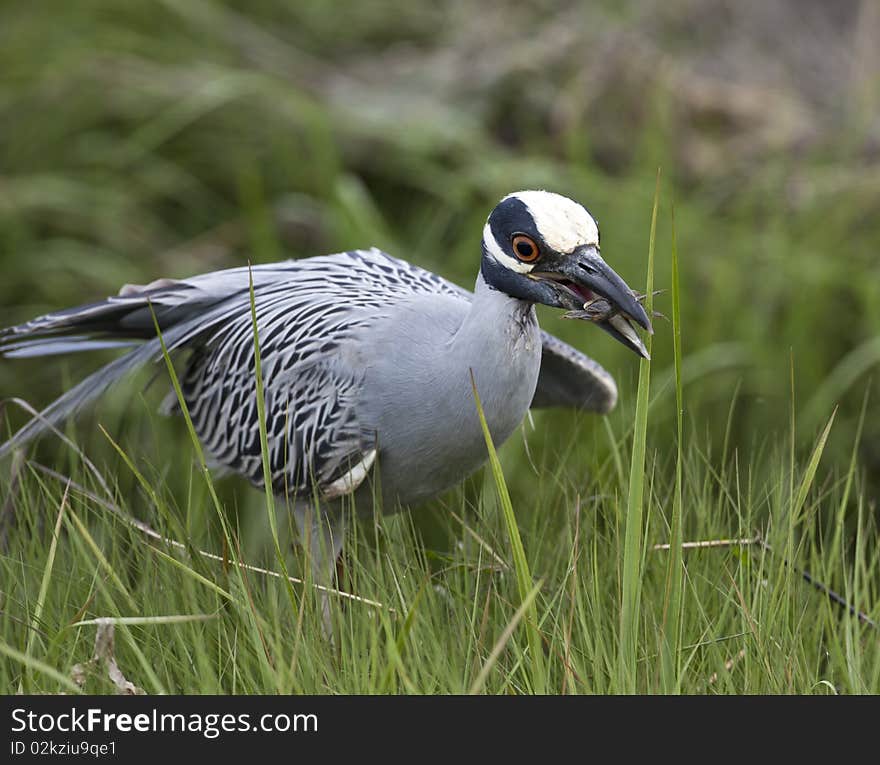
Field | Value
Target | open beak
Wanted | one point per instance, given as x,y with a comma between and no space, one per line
579,278
620,328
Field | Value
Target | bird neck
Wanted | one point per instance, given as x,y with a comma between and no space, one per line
494,316
499,344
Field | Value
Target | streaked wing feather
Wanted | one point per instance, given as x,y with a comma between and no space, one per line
308,317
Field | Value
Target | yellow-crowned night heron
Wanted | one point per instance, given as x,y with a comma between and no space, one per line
367,360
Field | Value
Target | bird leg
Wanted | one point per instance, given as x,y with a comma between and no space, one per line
321,536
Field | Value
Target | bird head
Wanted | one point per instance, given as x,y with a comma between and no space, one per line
544,248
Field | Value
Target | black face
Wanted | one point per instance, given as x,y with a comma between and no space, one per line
518,261
513,229
511,217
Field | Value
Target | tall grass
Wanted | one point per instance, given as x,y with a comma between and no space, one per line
527,588
633,551
672,611
167,141
460,621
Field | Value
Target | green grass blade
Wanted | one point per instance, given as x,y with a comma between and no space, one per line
397,645
101,558
810,472
521,564
852,471
35,665
264,443
44,582
480,681
195,574
670,669
161,507
635,510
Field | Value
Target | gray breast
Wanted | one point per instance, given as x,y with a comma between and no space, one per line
417,395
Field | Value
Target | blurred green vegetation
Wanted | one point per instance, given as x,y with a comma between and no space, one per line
168,138
172,137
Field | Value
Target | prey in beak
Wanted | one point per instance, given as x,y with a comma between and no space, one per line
600,311
591,290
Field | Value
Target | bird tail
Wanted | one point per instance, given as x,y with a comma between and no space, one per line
123,321
184,310
81,395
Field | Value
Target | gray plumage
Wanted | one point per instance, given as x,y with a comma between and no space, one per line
366,359
327,325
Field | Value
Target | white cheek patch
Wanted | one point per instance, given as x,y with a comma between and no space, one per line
502,257
562,222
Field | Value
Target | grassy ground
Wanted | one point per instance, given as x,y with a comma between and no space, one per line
166,139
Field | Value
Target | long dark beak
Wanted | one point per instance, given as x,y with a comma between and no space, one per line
581,276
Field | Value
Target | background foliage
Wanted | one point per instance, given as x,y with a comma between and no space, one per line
167,138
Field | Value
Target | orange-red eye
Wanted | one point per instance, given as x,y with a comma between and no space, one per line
524,248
